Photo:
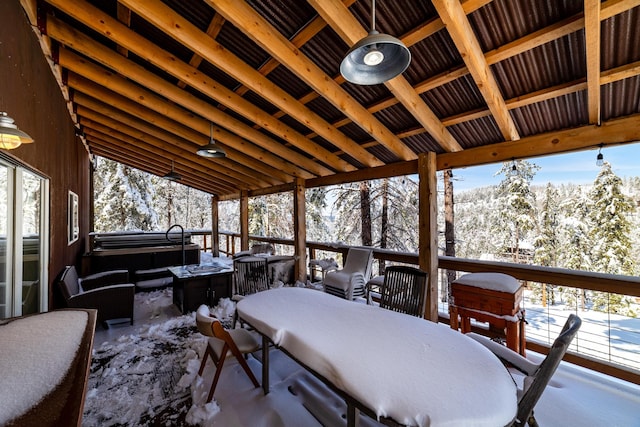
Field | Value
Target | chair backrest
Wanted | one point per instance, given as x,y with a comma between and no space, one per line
212,327
69,284
251,275
539,380
262,248
204,321
359,260
404,289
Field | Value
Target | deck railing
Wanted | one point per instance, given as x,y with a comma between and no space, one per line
607,342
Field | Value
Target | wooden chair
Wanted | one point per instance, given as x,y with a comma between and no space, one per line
238,341
403,290
537,375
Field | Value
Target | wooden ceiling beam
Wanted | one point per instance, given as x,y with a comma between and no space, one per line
132,136
241,163
614,132
620,73
459,28
244,17
133,156
212,31
149,100
430,28
350,30
136,156
617,131
146,49
78,41
124,15
182,147
592,45
310,30
552,32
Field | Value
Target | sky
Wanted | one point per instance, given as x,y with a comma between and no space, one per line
578,168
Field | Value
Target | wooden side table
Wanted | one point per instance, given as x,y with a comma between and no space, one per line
494,298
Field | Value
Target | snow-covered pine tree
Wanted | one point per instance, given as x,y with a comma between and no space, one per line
125,202
315,205
547,242
517,205
576,247
609,232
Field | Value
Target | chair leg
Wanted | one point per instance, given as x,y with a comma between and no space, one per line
216,377
207,353
246,368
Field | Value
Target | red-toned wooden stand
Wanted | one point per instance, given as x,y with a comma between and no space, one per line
500,309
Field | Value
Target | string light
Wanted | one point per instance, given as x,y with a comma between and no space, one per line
600,157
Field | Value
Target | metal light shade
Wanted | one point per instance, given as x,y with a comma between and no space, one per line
173,175
10,136
395,59
211,149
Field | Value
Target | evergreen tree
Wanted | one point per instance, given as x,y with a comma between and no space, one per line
395,228
517,206
610,230
547,243
347,207
126,200
576,253
315,206
272,215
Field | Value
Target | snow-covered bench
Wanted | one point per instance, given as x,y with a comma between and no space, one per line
44,366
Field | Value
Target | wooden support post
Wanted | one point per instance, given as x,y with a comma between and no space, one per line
244,220
215,220
300,230
428,230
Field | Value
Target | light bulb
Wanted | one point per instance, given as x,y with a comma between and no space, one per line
599,160
9,142
373,57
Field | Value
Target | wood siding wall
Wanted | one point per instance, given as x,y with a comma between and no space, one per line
31,96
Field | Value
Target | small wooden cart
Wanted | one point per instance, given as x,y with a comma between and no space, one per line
494,298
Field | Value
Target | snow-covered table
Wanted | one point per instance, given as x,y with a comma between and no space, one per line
387,364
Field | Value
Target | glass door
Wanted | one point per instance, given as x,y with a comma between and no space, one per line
24,225
5,254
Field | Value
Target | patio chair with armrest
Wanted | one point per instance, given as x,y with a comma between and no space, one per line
256,249
350,282
109,292
403,290
238,342
538,375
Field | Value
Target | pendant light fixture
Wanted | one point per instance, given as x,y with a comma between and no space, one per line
376,58
600,157
10,136
173,175
211,149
